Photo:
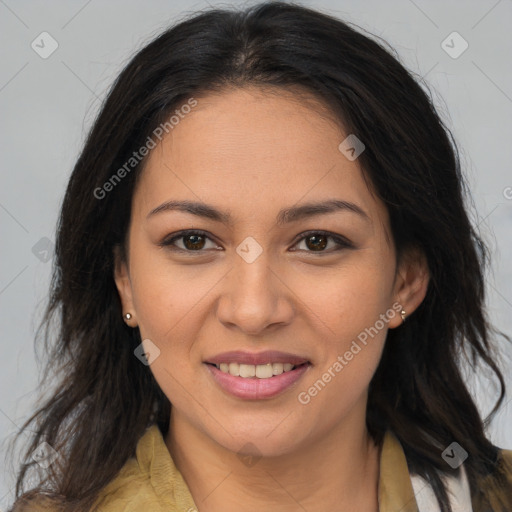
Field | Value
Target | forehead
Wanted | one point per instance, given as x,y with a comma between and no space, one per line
254,150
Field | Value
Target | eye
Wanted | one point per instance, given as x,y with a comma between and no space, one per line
317,241
192,241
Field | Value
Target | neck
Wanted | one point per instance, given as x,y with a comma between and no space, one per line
338,471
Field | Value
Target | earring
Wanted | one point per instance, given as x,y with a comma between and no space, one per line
403,315
127,317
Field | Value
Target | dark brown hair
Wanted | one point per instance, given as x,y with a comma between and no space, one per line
104,399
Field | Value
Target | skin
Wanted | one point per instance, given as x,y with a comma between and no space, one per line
253,152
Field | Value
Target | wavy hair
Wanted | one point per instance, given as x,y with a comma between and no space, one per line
104,399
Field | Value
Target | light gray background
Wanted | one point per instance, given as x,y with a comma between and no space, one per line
48,105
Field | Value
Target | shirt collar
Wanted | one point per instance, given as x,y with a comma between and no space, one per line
155,460
395,488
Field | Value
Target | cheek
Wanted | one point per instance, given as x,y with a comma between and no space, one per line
167,297
354,307
172,304
351,298
168,308
351,305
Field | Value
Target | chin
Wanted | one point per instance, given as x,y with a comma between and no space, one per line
258,442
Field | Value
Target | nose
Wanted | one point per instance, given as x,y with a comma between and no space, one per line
255,297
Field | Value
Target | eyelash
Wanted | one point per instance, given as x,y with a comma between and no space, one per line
168,242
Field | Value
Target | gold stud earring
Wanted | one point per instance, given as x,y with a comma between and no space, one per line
127,317
403,315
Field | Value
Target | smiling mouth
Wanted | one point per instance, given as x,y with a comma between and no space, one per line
258,371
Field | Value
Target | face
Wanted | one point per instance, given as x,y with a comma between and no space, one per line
251,280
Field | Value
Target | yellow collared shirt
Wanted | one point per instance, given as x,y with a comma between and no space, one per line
151,482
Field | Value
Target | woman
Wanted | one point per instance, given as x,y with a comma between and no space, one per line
266,229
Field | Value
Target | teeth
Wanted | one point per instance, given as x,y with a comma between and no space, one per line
264,371
247,370
261,371
277,368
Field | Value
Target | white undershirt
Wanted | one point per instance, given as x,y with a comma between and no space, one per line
457,488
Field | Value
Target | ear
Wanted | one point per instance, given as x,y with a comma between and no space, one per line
411,283
124,285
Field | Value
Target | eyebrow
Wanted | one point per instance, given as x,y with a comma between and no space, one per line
285,216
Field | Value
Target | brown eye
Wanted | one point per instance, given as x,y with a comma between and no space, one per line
193,242
189,241
316,242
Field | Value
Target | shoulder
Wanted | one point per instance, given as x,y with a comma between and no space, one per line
506,455
148,481
130,491
133,488
36,503
505,469
495,490
503,472
143,483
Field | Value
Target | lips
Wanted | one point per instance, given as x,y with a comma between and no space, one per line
256,376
